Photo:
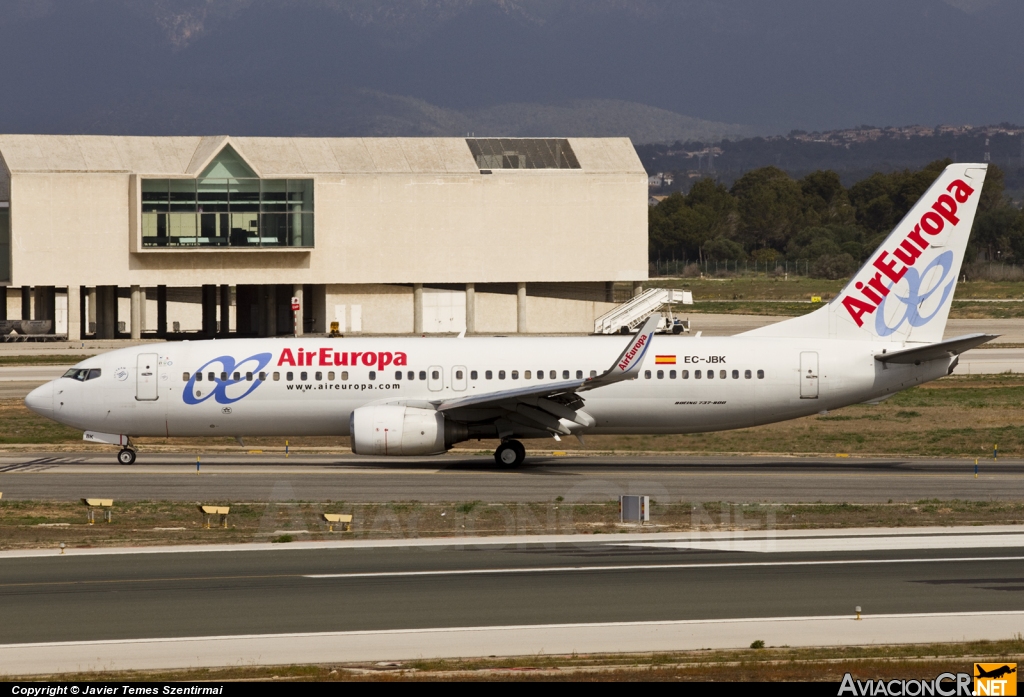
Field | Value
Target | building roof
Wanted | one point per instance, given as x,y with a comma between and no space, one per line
176,156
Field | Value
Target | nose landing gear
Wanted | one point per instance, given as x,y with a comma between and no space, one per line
126,456
510,453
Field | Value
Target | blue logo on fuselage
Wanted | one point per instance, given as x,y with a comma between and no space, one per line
914,298
221,389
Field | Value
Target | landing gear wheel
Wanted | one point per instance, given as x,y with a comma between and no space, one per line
126,456
511,453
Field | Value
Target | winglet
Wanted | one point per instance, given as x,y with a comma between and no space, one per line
627,365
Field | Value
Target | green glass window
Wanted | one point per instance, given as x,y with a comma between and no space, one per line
5,243
227,206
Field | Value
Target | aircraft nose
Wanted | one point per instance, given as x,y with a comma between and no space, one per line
40,400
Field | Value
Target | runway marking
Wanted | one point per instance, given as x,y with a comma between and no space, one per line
511,570
841,544
649,567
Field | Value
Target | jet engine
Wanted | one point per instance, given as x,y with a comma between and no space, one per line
401,430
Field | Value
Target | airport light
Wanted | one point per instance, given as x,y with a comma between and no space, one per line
857,609
62,546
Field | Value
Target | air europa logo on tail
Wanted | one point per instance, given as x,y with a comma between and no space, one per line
628,357
327,357
907,253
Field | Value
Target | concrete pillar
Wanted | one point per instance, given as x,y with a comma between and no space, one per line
521,308
136,309
26,302
3,303
75,313
470,308
161,311
225,311
209,304
417,308
297,314
268,325
319,301
143,297
90,298
609,291
638,288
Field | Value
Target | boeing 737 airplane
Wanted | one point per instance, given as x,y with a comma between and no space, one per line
419,396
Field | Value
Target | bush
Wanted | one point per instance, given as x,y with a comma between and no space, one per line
833,266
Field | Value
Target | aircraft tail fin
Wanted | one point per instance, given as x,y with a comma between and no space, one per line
904,291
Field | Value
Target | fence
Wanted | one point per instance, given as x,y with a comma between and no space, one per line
727,267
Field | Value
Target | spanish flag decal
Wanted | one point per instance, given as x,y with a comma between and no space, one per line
665,360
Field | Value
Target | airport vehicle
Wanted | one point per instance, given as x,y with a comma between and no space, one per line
419,396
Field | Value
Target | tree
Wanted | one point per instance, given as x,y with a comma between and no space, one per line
682,225
770,206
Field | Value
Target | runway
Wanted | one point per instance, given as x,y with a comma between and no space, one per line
380,601
460,477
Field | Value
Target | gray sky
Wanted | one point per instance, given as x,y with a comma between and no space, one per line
419,67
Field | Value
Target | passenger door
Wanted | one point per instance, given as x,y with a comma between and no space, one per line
146,374
459,378
435,378
809,375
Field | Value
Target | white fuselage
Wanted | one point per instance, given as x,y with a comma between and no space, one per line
312,385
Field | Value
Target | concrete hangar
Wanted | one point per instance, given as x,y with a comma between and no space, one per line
118,237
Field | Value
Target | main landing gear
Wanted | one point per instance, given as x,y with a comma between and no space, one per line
126,456
510,453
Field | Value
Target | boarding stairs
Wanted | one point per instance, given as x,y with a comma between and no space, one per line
633,313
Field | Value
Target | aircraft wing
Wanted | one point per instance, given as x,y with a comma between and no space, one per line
940,349
543,405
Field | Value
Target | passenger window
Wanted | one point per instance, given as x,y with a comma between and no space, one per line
458,374
684,374
722,374
211,376
593,373
263,377
319,376
661,374
184,376
303,376
344,375
289,376
330,376
647,375
223,376
735,375
248,377
746,374
423,375
515,374
410,375
565,374
579,374
696,375
526,375
435,375
398,375
373,374
540,374
554,374
760,375
93,374
277,376
473,375
236,377
488,375
711,375
672,375
501,374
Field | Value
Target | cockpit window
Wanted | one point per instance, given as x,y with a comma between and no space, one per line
76,374
93,374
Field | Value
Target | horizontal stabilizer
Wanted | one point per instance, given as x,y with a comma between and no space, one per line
943,349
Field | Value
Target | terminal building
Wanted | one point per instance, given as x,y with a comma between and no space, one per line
132,237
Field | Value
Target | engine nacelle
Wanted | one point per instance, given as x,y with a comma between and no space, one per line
400,430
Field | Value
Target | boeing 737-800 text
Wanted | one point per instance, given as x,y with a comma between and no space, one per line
418,396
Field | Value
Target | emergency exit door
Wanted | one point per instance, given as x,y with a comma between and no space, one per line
146,375
809,375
